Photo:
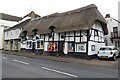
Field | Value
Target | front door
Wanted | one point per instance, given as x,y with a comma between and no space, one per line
61,46
33,47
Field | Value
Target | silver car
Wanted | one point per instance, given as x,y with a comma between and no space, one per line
108,52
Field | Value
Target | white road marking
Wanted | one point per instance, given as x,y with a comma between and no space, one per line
68,74
4,58
20,62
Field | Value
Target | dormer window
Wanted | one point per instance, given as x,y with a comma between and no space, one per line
51,34
34,31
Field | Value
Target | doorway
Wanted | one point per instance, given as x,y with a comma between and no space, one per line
61,46
33,47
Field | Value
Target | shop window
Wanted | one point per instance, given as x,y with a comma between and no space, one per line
40,44
81,47
70,47
29,45
53,46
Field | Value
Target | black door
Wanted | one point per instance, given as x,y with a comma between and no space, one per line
33,47
61,47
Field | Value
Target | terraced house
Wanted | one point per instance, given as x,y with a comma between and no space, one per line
76,32
6,21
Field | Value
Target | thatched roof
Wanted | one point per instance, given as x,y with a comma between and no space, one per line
20,25
79,19
10,17
41,24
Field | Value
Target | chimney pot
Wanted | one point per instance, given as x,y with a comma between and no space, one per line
107,16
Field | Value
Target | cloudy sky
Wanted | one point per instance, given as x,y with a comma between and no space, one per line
45,7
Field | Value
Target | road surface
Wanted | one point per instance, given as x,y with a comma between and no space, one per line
24,67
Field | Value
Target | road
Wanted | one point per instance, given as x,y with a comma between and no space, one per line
24,67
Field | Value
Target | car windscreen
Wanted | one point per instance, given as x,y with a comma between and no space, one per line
106,49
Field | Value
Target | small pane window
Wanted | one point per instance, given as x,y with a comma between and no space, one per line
96,33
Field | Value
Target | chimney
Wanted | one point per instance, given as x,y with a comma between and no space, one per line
32,14
107,16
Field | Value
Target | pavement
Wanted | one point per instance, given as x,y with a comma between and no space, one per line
24,67
94,62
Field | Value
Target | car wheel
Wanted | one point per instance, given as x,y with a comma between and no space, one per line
114,57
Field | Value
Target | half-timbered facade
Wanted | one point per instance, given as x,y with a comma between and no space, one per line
76,32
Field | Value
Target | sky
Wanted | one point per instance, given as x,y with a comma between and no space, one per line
46,7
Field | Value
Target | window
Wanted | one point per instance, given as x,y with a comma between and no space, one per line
39,44
70,47
103,49
81,47
83,36
92,47
7,33
115,31
29,45
69,36
118,43
115,44
62,36
53,46
77,33
96,32
115,48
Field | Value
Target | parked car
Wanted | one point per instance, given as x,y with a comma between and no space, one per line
108,52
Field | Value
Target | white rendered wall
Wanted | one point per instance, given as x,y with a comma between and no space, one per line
1,37
12,34
110,24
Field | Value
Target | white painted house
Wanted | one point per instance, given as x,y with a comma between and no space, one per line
6,21
12,41
113,37
77,32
